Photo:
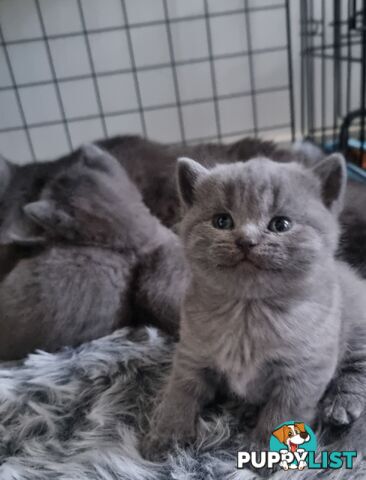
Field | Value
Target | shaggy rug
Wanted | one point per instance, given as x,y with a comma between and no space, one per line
79,414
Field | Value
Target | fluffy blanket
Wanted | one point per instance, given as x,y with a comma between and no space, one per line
79,414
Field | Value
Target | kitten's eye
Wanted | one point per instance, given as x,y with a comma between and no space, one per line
280,224
223,221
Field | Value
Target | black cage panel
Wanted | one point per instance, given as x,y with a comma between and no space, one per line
333,44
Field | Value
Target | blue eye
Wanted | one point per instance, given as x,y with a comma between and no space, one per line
280,224
223,221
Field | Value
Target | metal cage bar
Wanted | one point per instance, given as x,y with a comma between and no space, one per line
336,38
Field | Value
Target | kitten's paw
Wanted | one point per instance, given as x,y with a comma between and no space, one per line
343,409
155,446
259,439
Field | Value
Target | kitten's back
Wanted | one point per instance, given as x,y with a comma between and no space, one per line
63,296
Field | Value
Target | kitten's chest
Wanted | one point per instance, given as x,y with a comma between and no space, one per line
244,348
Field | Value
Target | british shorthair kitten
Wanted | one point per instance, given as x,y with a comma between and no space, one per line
151,167
269,311
91,228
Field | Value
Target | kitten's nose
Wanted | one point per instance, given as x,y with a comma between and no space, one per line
245,244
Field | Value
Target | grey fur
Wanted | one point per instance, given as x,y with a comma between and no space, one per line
160,281
151,166
76,284
280,321
352,245
79,415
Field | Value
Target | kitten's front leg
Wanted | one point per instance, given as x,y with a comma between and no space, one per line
346,398
294,398
189,387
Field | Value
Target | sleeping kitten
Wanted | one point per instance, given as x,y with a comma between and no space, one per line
268,309
74,286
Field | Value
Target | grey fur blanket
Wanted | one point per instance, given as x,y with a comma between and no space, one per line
78,415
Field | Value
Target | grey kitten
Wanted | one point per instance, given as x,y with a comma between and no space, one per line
269,311
92,228
151,166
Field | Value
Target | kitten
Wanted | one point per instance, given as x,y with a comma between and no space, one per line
268,309
160,279
21,185
151,166
91,229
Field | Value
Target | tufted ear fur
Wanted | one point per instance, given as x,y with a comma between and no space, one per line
332,173
189,172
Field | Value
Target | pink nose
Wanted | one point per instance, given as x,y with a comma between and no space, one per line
245,244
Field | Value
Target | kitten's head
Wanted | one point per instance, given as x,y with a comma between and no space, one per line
259,220
93,201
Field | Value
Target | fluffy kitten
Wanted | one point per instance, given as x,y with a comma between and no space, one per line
151,166
268,310
91,230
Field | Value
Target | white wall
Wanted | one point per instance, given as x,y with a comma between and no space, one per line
34,113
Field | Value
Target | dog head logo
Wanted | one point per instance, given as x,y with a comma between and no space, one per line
293,446
292,435
293,440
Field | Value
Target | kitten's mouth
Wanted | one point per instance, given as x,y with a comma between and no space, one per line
250,261
261,264
237,263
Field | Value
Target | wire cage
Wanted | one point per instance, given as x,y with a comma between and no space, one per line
174,71
333,74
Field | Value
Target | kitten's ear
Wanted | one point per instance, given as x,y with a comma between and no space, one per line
91,150
189,173
99,159
47,215
93,155
20,232
23,240
332,172
5,175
